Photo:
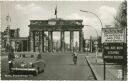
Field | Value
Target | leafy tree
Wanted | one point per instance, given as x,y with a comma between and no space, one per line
121,17
121,21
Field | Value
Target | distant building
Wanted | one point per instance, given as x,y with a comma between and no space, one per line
9,34
20,44
12,37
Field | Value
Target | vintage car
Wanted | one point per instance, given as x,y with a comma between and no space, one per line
28,63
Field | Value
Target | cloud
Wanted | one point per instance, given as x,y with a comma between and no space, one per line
107,13
29,9
29,12
74,16
33,11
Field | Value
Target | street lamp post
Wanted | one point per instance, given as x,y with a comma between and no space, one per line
95,15
96,41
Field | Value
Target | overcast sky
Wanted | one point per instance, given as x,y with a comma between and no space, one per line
22,12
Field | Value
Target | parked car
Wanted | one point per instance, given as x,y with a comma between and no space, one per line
28,63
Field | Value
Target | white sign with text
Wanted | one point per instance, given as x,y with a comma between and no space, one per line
112,35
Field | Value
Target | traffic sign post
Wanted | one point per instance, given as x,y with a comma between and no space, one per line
114,49
104,70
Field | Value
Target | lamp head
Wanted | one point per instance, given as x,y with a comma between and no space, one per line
83,11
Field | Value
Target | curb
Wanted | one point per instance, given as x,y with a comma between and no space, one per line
96,76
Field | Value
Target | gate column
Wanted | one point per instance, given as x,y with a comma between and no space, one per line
42,39
71,40
62,41
80,40
31,41
50,41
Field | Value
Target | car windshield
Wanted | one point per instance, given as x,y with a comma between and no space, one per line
24,56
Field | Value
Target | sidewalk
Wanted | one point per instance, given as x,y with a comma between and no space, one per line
112,70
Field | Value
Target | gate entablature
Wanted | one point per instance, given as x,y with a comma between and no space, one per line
56,25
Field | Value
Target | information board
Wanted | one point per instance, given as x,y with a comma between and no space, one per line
112,35
114,52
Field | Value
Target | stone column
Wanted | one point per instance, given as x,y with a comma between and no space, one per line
31,42
22,45
50,41
42,41
80,41
71,40
27,45
15,46
62,41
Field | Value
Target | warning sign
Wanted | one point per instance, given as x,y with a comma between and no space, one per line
114,52
112,35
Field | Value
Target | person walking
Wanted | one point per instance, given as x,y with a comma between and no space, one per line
75,58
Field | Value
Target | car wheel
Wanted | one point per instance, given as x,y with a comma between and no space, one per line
43,70
39,70
36,72
11,72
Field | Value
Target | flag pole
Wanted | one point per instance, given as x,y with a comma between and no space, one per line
56,11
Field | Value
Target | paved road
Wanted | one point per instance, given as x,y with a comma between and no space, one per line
61,67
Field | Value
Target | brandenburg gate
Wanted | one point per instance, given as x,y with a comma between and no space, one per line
38,27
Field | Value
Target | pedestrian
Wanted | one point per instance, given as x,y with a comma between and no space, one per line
75,57
39,56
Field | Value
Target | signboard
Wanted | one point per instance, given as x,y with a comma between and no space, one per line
52,22
114,47
112,35
114,52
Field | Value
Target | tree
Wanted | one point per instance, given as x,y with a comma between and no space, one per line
121,17
121,22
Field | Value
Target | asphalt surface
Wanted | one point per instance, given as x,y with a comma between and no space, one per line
58,67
